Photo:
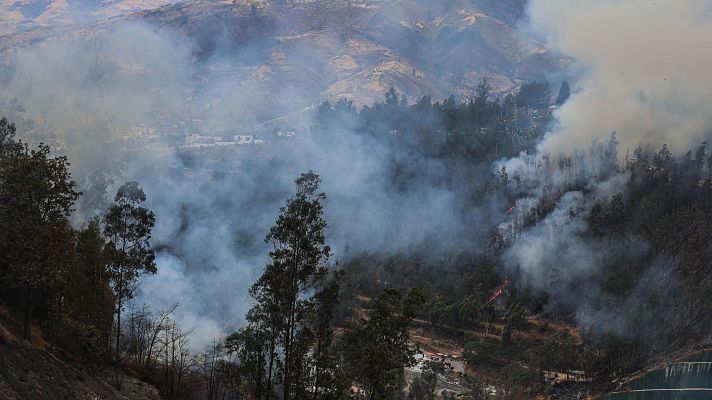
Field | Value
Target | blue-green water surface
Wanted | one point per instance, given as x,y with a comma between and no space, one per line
690,379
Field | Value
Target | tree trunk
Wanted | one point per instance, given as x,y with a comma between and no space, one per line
259,374
118,330
286,349
269,373
317,366
27,320
288,352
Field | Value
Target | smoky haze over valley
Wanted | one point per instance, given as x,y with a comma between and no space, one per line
98,87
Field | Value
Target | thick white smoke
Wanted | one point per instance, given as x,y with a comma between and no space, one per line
96,93
641,69
645,70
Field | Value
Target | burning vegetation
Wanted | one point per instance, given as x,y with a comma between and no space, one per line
506,243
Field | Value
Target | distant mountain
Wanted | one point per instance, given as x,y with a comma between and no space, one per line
22,15
358,49
324,49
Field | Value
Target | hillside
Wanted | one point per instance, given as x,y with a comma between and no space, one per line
306,52
40,370
24,15
362,199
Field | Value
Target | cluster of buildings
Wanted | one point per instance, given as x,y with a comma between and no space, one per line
197,140
449,381
452,363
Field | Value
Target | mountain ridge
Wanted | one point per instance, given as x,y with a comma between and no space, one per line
352,50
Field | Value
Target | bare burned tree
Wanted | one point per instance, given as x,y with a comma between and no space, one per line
177,359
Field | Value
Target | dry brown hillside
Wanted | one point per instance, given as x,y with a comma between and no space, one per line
37,370
303,52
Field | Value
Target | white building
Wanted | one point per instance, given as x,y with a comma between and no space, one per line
197,140
243,139
451,362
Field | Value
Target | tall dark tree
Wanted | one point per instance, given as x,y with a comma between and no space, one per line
325,370
423,386
286,293
564,93
258,342
36,197
482,92
89,298
7,135
248,346
514,320
377,348
127,227
392,97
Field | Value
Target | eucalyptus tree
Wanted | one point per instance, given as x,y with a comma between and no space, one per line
127,228
282,326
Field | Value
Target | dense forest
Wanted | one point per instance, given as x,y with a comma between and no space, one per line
646,292
309,331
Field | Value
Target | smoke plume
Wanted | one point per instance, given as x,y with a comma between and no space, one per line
642,70
640,66
90,94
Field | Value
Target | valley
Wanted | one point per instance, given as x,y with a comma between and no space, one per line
355,199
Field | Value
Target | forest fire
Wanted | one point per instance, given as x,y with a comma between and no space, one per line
313,179
499,291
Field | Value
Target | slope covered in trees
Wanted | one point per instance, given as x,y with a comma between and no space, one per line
610,242
603,251
71,283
